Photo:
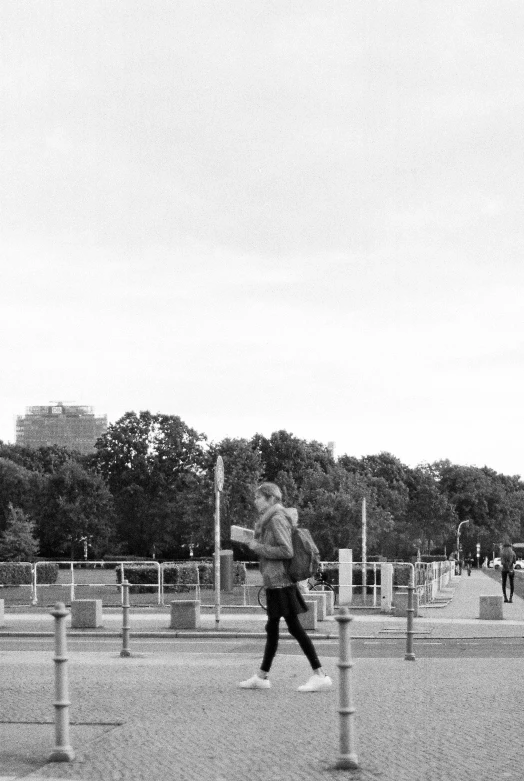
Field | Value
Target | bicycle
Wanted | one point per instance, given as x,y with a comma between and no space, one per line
316,583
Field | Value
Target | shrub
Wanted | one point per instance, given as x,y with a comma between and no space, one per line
181,576
47,572
239,573
13,573
178,576
139,576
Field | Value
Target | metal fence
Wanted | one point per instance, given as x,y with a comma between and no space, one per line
103,579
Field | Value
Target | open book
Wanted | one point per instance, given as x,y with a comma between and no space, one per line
241,534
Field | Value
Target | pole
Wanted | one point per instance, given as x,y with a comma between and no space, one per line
217,559
63,751
219,485
410,656
364,552
125,652
347,758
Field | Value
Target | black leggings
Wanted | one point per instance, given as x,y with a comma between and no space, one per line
299,633
505,576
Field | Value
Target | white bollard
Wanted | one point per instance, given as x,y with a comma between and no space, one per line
63,752
347,759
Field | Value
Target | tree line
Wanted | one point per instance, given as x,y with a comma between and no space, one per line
148,490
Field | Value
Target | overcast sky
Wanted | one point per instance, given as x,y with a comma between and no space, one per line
263,215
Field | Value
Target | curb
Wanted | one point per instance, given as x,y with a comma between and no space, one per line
231,634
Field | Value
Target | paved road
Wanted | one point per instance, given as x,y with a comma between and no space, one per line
384,648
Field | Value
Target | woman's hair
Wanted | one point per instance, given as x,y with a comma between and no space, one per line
270,491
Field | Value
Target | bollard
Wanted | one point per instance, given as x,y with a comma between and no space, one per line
410,656
347,759
125,620
62,751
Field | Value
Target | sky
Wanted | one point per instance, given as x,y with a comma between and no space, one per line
262,215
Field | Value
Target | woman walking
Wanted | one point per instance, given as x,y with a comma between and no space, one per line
272,544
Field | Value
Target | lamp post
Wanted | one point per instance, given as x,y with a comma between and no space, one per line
458,539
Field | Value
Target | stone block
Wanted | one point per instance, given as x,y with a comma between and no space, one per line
2,615
86,613
185,614
400,603
330,602
309,619
490,607
320,599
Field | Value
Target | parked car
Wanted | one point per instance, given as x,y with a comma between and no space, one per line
495,563
519,564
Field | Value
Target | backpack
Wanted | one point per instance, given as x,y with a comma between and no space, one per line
306,556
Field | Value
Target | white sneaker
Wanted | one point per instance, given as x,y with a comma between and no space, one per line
255,683
317,683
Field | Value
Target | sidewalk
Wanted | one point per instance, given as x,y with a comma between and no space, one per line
180,715
457,618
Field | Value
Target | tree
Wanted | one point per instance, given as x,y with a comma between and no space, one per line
18,542
492,502
44,460
430,518
18,487
152,465
288,460
75,503
331,507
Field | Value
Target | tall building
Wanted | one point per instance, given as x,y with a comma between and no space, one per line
73,427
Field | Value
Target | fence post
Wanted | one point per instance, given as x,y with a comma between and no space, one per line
410,656
159,583
63,752
72,595
125,620
34,596
345,576
386,587
347,758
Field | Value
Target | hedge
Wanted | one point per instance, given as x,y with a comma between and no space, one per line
179,576
15,573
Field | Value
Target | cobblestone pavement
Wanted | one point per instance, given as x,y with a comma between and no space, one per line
163,716
182,717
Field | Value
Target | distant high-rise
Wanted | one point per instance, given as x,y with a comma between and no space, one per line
73,427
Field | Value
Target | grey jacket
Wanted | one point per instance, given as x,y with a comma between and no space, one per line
273,545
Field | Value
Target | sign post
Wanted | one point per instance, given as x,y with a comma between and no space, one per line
364,552
219,485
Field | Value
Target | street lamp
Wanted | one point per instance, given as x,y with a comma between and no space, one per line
458,539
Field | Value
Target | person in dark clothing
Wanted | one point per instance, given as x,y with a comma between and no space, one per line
272,544
508,558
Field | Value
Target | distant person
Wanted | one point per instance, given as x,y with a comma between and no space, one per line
273,545
469,564
508,557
